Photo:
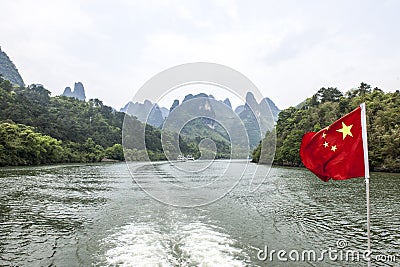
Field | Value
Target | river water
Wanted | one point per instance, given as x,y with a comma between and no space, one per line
96,215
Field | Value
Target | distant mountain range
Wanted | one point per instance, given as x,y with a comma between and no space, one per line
274,109
8,70
258,118
78,92
251,113
156,114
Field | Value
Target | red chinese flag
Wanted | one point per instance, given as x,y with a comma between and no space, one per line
336,152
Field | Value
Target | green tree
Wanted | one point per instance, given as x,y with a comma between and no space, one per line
115,152
330,94
383,125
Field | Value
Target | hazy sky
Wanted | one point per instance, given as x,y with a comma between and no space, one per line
289,49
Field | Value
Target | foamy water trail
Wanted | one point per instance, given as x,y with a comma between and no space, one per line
193,244
202,245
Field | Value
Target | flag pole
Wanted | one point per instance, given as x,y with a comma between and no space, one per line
366,171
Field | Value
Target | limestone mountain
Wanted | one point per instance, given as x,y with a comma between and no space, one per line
164,112
201,106
239,109
227,102
174,105
146,112
258,118
8,70
204,108
78,92
196,118
274,109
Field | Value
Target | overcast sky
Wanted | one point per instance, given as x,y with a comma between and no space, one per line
289,49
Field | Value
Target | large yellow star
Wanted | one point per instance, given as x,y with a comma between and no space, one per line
345,130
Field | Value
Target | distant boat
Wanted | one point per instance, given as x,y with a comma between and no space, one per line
189,157
181,158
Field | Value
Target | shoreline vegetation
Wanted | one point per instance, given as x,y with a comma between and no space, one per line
37,129
328,105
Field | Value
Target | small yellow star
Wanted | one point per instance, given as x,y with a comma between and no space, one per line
345,130
326,144
323,135
333,148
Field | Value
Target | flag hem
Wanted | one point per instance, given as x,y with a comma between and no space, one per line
364,140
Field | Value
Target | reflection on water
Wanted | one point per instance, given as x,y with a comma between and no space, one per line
80,215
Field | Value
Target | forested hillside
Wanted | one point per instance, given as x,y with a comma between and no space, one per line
36,128
328,105
61,117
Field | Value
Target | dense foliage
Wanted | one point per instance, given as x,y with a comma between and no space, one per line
21,145
39,129
64,118
328,105
199,129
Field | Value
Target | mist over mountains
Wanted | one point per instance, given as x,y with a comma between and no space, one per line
252,114
146,112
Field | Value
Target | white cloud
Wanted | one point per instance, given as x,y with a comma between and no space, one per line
287,49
